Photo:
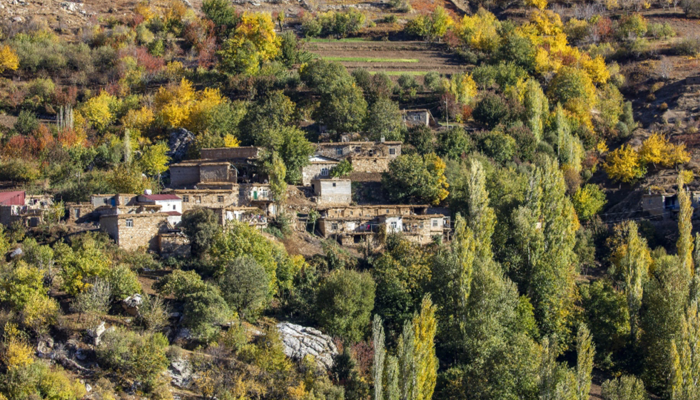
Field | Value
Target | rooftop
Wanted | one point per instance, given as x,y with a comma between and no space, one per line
160,197
10,198
356,142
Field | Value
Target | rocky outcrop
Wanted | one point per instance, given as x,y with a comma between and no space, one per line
179,142
300,341
131,304
181,374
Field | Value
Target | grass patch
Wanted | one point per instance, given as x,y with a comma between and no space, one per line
399,73
346,40
372,59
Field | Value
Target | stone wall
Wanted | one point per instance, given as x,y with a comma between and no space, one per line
173,244
416,117
184,175
342,150
370,164
314,171
332,191
216,172
143,232
194,198
228,153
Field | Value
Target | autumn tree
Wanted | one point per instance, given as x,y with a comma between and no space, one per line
432,26
685,227
588,201
657,150
154,159
8,59
254,42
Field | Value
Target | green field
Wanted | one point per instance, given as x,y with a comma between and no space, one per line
372,59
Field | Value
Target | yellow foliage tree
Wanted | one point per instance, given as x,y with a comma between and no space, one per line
182,106
479,31
40,311
539,4
657,150
624,164
98,110
254,41
8,59
138,121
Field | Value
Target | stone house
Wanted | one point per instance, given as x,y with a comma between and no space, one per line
352,225
218,167
319,167
332,191
665,203
207,198
417,228
365,157
28,209
252,216
132,230
418,117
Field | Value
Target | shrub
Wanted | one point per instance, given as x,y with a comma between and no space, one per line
137,357
26,122
689,46
588,201
123,282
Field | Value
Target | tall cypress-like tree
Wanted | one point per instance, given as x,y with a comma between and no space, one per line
481,218
391,377
536,107
379,356
424,328
406,350
545,235
584,364
631,258
685,367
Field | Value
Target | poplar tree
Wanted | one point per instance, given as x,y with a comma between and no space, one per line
406,350
545,235
379,355
392,379
536,107
481,218
685,358
426,362
685,227
631,258
585,351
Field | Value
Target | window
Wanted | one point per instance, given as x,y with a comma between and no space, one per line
174,207
197,199
351,212
393,225
185,199
220,199
324,171
358,149
129,223
334,226
339,151
421,225
435,223
333,184
371,152
106,201
392,151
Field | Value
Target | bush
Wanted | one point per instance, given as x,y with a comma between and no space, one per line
245,286
689,46
18,170
344,304
123,282
137,357
26,123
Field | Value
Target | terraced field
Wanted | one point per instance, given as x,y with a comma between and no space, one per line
394,58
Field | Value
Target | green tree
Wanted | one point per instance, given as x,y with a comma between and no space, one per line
536,108
342,169
585,350
276,170
245,286
421,138
294,151
342,109
222,14
26,122
685,227
545,235
81,263
497,145
588,201
344,304
139,357
267,115
384,120
626,387
416,178
154,159
453,143
379,356
201,227
123,282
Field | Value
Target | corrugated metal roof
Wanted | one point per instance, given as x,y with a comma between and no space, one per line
15,198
